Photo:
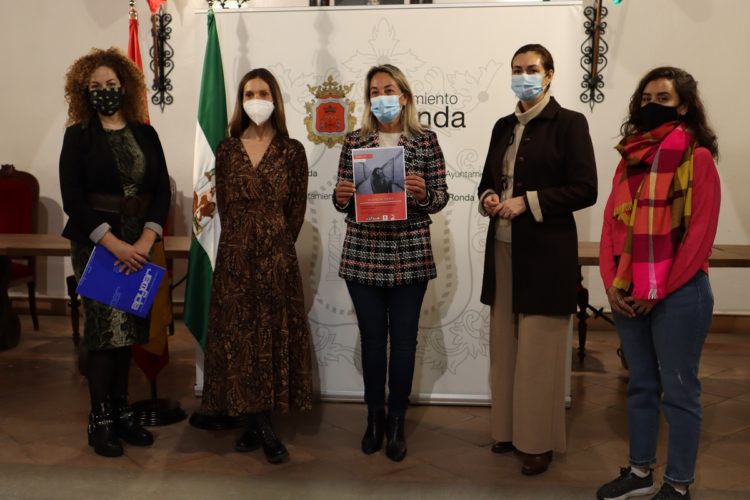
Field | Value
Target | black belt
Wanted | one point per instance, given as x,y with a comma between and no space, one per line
132,206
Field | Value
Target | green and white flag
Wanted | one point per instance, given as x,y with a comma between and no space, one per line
211,129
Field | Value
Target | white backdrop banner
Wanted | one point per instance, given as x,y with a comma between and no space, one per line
457,60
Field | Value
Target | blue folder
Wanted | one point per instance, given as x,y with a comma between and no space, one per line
133,293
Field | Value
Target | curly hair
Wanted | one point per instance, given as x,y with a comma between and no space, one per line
687,90
134,104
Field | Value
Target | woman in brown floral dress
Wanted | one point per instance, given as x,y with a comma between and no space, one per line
258,346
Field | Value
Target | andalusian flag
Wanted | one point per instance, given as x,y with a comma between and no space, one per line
211,129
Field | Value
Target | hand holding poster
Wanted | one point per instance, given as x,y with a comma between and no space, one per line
379,180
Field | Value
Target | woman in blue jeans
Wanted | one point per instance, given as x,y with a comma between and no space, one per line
659,225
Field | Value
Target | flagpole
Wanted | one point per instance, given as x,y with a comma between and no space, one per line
153,411
211,129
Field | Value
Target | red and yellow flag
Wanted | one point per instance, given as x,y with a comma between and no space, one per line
154,356
155,4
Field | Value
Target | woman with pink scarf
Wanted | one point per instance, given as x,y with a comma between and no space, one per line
659,226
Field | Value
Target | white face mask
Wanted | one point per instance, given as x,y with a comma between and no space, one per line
259,110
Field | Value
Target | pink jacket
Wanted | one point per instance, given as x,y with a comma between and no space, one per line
694,251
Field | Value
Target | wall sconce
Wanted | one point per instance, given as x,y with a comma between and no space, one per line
594,50
161,53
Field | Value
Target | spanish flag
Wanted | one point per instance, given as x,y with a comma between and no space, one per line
154,356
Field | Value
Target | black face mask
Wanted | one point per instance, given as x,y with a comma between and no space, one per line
652,115
106,101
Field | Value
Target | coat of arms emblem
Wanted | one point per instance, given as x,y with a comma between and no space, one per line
330,115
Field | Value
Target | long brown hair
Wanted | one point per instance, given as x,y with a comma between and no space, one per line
134,105
687,90
240,120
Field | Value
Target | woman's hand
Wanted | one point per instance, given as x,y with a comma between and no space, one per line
343,192
511,208
640,306
416,186
145,242
128,257
618,302
491,204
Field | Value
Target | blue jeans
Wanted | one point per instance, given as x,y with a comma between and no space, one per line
663,351
383,313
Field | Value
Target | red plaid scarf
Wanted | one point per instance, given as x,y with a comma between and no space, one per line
653,199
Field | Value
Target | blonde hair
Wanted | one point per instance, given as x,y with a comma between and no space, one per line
410,123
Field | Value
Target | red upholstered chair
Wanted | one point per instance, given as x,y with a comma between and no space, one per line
19,201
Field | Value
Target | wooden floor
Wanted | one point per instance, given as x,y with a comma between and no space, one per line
43,453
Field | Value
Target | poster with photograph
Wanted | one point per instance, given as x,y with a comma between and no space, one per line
379,179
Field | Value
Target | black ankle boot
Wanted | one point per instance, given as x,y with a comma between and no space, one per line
248,441
101,432
126,427
395,447
273,448
372,441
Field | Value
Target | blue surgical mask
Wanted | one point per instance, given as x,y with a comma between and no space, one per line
527,87
385,107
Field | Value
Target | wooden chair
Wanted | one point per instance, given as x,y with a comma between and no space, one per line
19,202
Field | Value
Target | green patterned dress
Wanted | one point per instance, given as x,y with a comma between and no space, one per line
103,326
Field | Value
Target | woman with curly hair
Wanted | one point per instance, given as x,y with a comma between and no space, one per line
116,193
659,225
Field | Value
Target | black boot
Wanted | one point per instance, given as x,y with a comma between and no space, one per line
101,432
248,441
372,441
395,447
126,426
273,448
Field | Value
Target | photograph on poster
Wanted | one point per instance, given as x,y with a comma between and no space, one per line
379,175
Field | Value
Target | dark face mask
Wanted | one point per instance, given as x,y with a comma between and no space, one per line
106,101
652,115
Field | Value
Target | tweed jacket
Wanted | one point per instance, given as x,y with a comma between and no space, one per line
399,252
87,165
556,159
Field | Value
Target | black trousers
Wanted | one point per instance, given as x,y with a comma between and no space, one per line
388,313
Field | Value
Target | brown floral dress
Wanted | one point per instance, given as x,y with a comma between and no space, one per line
258,350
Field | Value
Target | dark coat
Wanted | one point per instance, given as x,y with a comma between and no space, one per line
556,159
87,165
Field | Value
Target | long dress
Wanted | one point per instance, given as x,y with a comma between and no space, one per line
258,349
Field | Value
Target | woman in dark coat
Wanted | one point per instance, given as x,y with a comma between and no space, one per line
116,193
539,170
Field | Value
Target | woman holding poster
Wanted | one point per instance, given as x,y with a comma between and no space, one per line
116,193
387,261
539,170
